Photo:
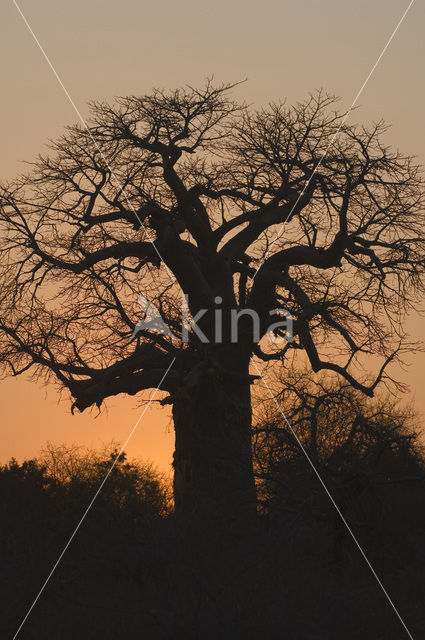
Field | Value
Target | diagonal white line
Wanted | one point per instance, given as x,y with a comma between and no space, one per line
74,106
83,517
331,498
353,104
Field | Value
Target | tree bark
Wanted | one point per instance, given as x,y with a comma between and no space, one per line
213,469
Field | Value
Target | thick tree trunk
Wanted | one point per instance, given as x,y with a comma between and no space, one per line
213,470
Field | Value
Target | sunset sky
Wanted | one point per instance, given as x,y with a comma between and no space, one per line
101,49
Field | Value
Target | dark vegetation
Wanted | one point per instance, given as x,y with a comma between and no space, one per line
137,570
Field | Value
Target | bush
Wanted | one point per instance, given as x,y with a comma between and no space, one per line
134,570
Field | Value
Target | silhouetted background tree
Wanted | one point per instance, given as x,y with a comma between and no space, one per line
368,453
211,182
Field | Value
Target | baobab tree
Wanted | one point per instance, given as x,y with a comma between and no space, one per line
184,193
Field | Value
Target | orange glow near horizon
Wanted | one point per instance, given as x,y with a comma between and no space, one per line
33,416
101,50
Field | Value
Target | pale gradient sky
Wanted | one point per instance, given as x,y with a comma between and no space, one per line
102,49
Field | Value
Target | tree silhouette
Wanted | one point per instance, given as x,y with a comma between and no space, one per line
186,192
362,448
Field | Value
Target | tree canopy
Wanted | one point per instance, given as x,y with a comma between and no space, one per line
187,191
